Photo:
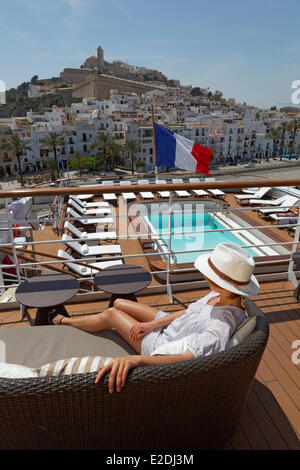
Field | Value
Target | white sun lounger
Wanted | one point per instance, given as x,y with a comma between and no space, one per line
82,270
90,238
180,193
250,190
198,192
269,202
258,195
217,193
162,194
147,194
84,197
284,219
194,180
83,211
86,250
127,195
284,206
109,196
93,221
87,205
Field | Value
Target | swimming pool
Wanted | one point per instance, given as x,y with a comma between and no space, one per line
193,222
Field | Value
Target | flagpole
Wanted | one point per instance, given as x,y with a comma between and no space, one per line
154,142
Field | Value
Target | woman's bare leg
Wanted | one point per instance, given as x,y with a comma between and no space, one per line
121,319
138,311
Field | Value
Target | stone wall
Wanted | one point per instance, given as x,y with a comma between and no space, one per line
76,76
100,87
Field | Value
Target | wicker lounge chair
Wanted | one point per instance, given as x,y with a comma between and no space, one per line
193,404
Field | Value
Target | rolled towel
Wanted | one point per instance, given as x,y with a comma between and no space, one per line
83,270
84,203
84,211
84,235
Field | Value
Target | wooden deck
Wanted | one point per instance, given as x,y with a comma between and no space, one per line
271,417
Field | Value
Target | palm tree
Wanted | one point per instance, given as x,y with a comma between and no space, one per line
116,154
132,147
103,142
274,135
51,166
18,146
282,128
293,127
52,141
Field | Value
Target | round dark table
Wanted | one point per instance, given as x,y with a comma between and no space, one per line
47,291
122,281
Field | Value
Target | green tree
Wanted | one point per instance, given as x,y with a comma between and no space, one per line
77,162
196,91
132,147
18,146
293,127
103,143
52,141
116,154
283,128
34,79
274,135
51,165
139,163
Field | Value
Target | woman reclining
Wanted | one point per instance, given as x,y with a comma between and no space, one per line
204,328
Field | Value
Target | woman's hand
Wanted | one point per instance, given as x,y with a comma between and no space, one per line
139,330
119,369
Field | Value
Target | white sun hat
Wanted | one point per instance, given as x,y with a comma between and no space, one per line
230,267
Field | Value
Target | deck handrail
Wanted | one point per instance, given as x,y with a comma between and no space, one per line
62,192
118,189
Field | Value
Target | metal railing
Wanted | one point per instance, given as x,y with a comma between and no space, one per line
170,269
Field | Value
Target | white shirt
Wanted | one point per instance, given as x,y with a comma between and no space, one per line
207,328
18,209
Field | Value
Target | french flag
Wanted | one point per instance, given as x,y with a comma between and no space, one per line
173,149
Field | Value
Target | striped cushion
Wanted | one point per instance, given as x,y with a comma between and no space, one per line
73,365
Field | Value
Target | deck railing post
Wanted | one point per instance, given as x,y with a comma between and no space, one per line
13,245
169,289
291,275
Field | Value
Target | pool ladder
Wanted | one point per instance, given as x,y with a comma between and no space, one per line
214,210
171,251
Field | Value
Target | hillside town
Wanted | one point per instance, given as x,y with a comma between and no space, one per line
236,133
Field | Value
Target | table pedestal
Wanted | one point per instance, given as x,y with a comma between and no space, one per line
41,317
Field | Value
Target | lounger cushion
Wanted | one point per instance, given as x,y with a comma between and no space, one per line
38,345
15,371
73,365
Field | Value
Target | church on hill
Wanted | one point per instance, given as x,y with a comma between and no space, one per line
96,77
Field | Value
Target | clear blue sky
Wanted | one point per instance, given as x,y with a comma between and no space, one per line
249,50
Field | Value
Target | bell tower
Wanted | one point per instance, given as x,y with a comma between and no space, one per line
100,57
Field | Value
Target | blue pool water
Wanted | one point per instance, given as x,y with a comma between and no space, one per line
188,222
